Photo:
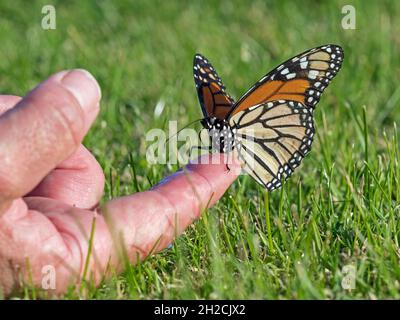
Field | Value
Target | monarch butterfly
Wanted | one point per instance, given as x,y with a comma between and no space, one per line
271,126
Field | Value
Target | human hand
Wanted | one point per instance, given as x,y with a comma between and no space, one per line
50,187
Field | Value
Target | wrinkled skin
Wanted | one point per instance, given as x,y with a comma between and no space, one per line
50,186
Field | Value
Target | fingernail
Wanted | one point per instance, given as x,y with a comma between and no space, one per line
83,87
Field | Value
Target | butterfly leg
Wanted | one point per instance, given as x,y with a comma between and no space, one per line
229,157
207,148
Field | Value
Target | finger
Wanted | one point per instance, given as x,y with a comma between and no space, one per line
44,129
60,239
148,221
77,181
7,102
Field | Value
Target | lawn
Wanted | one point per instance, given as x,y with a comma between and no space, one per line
338,213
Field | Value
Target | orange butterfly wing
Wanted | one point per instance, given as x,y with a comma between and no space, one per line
214,101
302,79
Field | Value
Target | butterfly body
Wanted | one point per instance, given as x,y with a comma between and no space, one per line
270,128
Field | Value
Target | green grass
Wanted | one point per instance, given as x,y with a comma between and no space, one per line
340,208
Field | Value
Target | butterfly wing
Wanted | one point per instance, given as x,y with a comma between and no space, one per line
214,101
272,138
302,78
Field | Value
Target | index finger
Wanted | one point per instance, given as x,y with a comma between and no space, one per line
7,102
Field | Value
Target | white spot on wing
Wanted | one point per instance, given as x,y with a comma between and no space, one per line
313,74
303,64
285,71
290,75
